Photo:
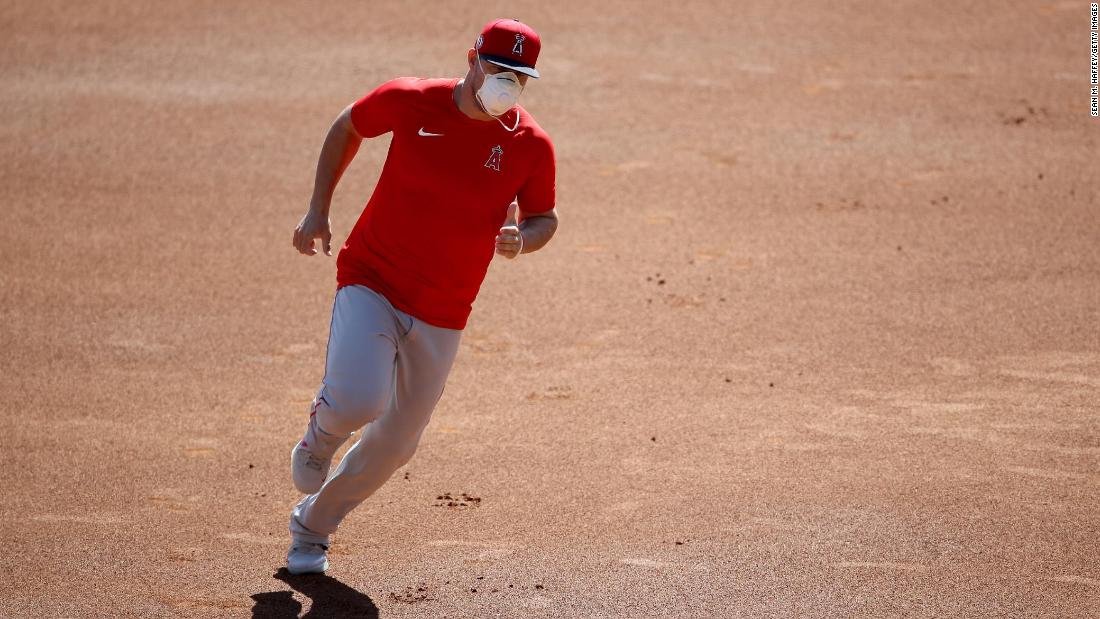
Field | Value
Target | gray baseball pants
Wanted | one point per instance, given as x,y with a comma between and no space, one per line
385,370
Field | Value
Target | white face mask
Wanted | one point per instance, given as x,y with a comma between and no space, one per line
499,92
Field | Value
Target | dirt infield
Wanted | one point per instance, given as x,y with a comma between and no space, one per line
818,335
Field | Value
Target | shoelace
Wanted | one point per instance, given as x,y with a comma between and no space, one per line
314,462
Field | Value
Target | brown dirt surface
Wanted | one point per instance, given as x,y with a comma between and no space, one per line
817,336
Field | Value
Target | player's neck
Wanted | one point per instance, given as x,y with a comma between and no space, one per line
464,98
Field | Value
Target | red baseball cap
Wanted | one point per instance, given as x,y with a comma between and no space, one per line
511,44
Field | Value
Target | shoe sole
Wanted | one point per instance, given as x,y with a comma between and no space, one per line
320,570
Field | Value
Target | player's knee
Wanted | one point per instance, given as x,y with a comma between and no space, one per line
396,452
404,451
345,410
385,457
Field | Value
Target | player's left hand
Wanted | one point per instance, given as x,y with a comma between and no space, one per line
510,238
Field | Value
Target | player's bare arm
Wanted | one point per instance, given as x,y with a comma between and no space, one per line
341,144
531,233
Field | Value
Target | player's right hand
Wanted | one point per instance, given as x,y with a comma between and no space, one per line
313,226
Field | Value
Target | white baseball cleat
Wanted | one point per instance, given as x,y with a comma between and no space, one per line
307,558
311,458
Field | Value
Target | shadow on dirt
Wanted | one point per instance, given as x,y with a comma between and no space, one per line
331,599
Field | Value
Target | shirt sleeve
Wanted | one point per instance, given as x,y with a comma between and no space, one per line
538,194
378,111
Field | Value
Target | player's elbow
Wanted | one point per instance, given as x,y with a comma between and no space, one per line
548,218
549,224
552,217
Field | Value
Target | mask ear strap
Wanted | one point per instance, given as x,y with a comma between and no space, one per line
513,126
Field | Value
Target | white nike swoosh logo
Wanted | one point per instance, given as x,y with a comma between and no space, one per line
429,135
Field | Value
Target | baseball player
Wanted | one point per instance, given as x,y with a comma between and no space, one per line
469,172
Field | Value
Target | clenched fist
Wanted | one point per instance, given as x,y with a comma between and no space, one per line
510,238
313,226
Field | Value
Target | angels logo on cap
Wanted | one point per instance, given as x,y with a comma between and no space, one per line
511,44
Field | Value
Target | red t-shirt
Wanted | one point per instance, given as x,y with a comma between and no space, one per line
426,237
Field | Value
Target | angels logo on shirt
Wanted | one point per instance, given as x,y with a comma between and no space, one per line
494,158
